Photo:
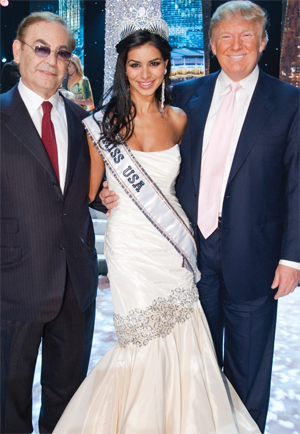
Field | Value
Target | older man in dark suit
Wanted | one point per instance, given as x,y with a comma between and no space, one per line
244,208
48,257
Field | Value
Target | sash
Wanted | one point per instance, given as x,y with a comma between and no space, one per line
146,195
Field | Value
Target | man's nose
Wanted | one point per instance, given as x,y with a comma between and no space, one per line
237,42
52,58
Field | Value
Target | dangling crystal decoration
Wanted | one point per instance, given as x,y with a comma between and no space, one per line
163,96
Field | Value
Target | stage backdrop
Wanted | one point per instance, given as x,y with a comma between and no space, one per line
95,26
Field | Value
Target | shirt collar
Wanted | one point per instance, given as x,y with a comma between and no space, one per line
33,101
247,83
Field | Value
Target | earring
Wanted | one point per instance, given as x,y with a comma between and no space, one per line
163,86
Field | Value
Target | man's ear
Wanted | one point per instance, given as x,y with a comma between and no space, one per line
213,47
262,45
16,48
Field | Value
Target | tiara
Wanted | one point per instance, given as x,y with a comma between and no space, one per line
143,19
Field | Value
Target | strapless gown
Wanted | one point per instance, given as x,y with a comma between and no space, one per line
161,377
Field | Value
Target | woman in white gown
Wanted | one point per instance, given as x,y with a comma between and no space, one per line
162,375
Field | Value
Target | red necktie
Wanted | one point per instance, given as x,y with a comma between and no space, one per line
48,136
214,162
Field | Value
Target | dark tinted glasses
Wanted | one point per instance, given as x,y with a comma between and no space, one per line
43,51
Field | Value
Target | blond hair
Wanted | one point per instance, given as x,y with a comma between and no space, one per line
76,62
240,8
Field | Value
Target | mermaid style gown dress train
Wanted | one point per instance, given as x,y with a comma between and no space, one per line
161,377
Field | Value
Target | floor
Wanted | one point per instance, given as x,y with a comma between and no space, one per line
283,416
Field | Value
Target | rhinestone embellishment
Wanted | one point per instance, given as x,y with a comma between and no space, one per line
143,18
158,320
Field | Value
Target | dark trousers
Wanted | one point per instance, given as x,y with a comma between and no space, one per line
66,345
243,333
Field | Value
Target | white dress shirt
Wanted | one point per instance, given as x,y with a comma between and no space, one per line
33,103
243,98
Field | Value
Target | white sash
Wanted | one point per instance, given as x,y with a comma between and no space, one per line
145,194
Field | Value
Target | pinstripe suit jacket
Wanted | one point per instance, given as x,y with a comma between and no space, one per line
43,231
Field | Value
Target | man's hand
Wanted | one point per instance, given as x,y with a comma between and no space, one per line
108,198
286,279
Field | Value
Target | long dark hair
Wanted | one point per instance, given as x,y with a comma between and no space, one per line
120,111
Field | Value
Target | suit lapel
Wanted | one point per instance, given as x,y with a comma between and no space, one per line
75,134
197,111
21,125
260,109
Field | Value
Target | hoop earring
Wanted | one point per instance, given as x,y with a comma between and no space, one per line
163,87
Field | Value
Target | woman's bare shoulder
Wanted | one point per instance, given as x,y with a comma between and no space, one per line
178,119
177,113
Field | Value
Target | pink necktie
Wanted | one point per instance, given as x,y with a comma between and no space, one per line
48,136
214,162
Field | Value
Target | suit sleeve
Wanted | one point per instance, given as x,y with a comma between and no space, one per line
97,204
291,237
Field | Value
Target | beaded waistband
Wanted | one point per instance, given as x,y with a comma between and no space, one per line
142,325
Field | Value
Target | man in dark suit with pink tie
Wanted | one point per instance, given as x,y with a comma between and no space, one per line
48,256
248,236
239,186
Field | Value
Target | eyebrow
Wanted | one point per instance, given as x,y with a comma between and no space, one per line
41,41
246,29
137,61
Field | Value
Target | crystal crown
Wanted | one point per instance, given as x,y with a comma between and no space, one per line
143,18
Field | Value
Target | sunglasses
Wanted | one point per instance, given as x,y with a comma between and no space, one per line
43,51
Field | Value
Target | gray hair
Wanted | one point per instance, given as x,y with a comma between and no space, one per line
36,17
240,8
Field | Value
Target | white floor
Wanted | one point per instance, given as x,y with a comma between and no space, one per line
283,417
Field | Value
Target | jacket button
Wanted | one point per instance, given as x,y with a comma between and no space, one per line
63,214
55,184
62,246
227,197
